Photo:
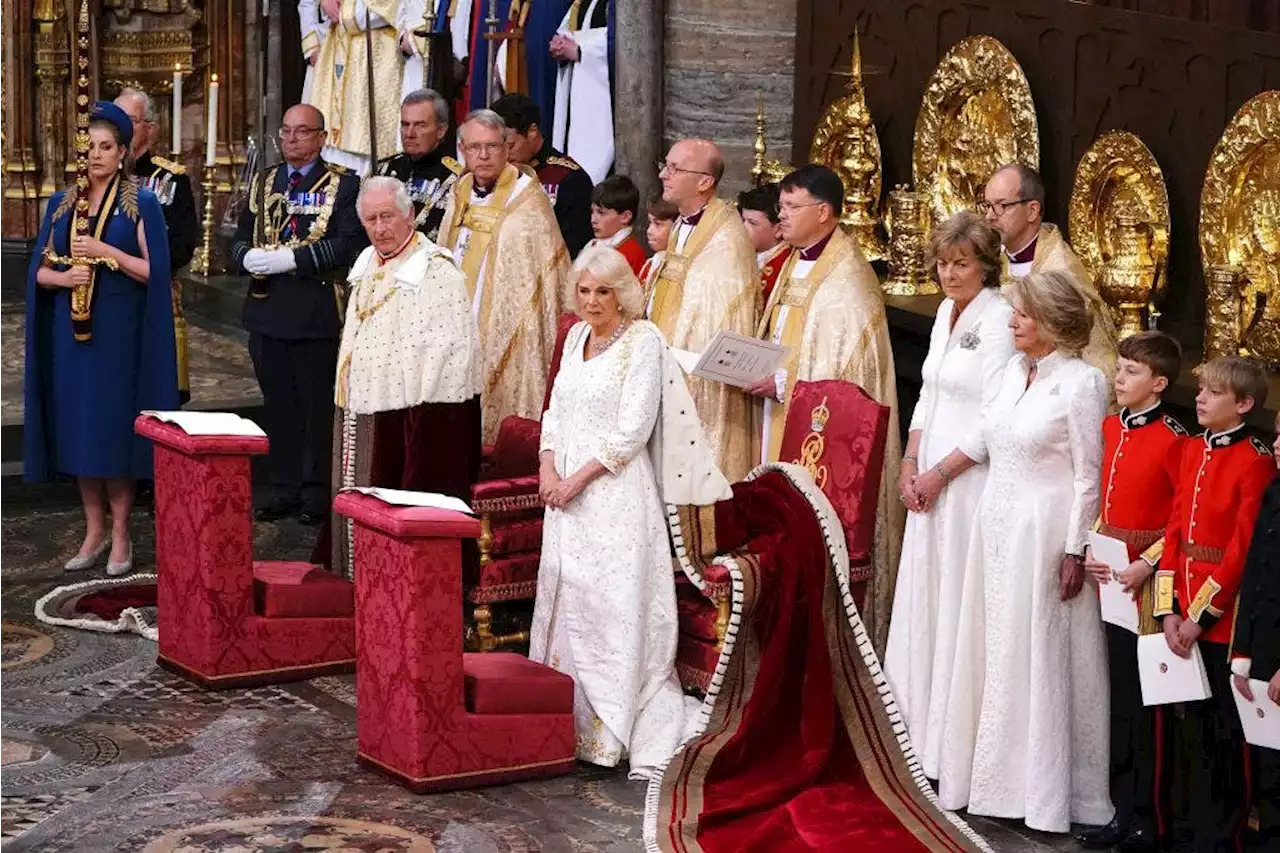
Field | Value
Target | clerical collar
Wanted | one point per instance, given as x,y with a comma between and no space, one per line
382,259
813,252
692,219
1226,437
1026,254
484,192
1149,415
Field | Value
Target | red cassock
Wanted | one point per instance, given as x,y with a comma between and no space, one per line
1220,484
634,253
771,269
1141,455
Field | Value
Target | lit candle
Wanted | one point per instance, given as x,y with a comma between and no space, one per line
175,145
211,126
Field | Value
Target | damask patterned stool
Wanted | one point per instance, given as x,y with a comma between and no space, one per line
224,619
428,715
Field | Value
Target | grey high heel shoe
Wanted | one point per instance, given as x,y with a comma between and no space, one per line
80,562
115,570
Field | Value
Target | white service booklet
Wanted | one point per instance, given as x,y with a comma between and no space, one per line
209,423
1260,718
1118,606
1167,678
733,359
400,497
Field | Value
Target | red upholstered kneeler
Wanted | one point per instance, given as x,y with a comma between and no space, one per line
838,432
428,715
224,620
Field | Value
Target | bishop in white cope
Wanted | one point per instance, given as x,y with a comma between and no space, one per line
408,389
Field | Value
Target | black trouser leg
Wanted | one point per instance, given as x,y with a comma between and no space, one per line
273,366
1217,751
1137,742
1266,796
315,367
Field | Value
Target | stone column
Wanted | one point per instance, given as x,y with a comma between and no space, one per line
719,59
638,96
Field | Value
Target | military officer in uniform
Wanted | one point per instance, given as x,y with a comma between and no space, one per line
169,181
423,167
297,245
566,183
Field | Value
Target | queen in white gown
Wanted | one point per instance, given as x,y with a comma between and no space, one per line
969,348
605,612
1026,732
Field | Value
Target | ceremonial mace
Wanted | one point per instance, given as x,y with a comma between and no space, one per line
492,22
427,31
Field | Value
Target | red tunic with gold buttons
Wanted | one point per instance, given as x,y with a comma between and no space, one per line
771,268
1141,454
1220,485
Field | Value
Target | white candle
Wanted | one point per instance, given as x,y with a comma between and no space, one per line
175,146
211,126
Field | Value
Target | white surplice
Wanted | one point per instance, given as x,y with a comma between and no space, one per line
962,375
583,122
1026,729
605,611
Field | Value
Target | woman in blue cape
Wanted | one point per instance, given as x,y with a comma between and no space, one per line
99,337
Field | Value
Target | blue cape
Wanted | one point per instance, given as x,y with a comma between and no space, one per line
157,370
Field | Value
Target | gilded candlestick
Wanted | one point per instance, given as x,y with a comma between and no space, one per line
202,264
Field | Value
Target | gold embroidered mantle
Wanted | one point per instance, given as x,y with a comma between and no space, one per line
713,284
523,273
836,329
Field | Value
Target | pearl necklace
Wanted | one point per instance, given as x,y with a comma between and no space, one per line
596,347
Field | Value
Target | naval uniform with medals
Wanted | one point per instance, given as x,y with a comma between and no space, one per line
569,187
428,179
294,320
169,181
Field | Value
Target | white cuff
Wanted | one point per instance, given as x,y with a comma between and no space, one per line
1241,666
780,385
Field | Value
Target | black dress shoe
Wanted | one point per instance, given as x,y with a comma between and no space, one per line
311,517
1139,841
272,512
1101,837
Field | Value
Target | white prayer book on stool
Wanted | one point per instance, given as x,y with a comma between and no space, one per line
209,423
1260,718
1167,678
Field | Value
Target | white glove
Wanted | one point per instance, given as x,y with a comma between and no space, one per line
280,261
255,261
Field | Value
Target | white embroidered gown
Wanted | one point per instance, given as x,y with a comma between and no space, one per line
605,612
962,374
1026,733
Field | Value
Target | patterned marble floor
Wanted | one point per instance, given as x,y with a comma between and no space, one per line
103,751
221,374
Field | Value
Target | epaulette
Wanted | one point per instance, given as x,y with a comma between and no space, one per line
452,165
176,168
1175,426
337,168
1260,446
567,162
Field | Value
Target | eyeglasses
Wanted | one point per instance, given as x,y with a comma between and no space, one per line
473,148
299,132
999,207
780,208
664,166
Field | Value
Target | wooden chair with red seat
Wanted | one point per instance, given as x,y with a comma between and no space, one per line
838,432
506,502
225,619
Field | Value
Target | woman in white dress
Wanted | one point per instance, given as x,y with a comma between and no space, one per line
606,606
969,349
1026,724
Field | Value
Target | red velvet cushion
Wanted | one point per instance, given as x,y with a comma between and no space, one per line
506,683
507,579
300,589
696,661
696,613
852,458
516,536
515,450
